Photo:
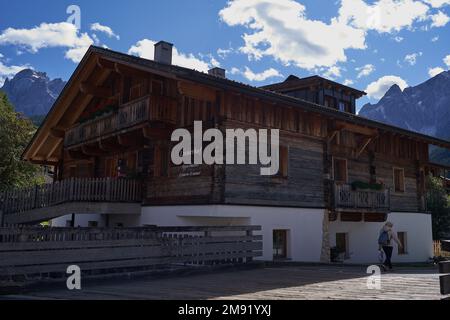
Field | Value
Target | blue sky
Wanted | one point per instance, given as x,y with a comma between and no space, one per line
369,45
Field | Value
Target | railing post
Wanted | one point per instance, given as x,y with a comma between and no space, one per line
108,189
71,189
36,196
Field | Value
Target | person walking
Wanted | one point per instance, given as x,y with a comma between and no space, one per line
386,241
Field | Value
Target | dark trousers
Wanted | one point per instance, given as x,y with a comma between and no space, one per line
388,252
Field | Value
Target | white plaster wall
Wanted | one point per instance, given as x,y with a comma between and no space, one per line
363,237
81,220
304,225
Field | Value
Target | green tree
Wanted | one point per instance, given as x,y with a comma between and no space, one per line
438,202
15,133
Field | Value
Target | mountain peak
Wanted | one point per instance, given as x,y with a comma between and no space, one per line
394,90
32,92
421,108
30,73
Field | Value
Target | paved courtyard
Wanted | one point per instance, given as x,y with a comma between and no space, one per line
284,282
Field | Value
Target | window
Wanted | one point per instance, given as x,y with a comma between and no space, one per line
279,244
343,106
342,244
340,170
402,238
399,180
92,224
329,102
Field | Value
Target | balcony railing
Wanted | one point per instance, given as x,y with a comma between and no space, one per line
148,108
347,198
70,190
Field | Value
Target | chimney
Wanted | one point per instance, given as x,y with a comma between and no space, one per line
163,52
217,72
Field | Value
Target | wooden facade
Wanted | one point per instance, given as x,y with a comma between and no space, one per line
115,118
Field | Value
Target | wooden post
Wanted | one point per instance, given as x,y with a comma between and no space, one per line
444,267
249,233
1,215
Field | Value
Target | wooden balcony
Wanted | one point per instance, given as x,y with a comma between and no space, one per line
147,109
347,199
95,195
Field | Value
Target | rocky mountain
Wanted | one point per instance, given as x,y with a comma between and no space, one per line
32,92
424,108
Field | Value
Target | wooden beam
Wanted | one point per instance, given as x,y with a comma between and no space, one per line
105,64
56,114
155,133
332,136
55,147
92,151
351,216
364,146
126,141
109,145
57,133
101,92
128,71
357,129
77,155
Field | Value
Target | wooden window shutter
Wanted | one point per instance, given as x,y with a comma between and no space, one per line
284,161
399,180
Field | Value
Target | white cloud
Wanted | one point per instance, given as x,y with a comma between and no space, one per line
105,29
447,60
348,82
434,39
439,20
49,35
366,70
146,49
214,62
437,3
384,16
377,89
223,53
332,72
257,77
398,39
412,58
435,71
281,29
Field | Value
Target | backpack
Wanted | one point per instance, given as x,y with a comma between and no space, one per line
384,238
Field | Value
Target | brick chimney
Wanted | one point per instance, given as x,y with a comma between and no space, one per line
163,52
